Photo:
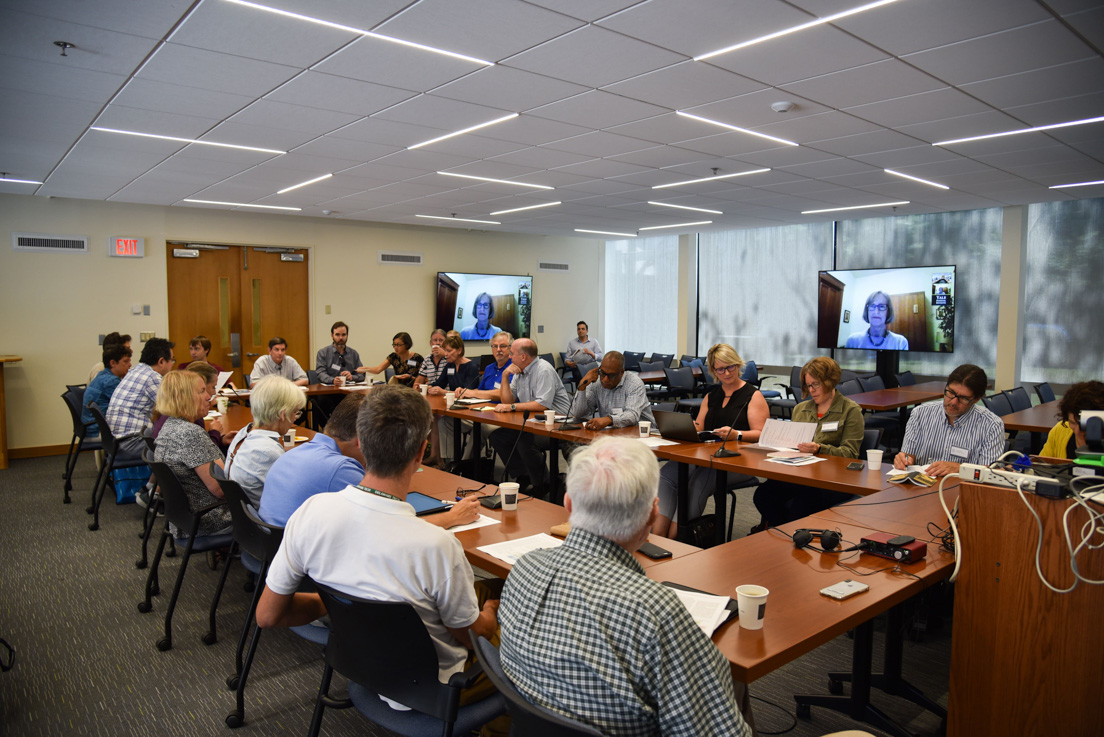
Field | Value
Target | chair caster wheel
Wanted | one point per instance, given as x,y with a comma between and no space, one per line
234,720
232,682
89,509
804,711
210,638
164,644
144,607
171,553
835,687
93,527
67,500
155,591
140,564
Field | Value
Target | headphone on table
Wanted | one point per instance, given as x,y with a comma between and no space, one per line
829,539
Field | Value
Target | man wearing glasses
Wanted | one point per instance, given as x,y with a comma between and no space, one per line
942,436
608,396
338,359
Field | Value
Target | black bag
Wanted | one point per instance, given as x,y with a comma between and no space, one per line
701,532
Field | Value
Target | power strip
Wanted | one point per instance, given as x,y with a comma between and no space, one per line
985,475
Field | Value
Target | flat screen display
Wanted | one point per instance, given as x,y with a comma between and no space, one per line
897,309
480,305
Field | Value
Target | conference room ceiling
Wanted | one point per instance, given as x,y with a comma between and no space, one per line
595,85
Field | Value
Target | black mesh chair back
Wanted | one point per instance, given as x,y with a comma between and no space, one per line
651,366
685,360
582,369
546,356
1018,398
74,401
846,375
525,718
750,373
680,381
795,382
312,376
872,438
998,404
905,378
664,358
1046,394
632,360
248,381
871,383
847,388
110,445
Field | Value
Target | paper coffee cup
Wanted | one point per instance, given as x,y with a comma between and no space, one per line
450,397
752,603
645,428
423,388
223,404
874,460
339,381
549,419
509,492
289,438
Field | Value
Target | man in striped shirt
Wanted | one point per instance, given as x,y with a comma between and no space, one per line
943,435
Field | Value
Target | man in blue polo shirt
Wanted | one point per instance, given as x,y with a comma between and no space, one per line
116,359
491,383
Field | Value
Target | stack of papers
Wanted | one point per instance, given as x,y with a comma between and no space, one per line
510,550
709,611
786,435
652,442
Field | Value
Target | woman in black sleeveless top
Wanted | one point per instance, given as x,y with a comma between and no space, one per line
734,409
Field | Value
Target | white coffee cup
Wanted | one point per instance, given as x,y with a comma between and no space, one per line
549,419
450,397
223,404
423,388
874,460
339,381
289,438
509,492
645,428
751,600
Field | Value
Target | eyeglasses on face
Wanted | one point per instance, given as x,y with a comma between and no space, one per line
814,385
603,374
724,369
957,397
878,308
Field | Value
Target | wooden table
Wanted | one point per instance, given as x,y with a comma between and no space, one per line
882,400
900,509
1037,420
3,411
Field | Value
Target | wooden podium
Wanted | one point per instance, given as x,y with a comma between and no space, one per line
3,411
1024,660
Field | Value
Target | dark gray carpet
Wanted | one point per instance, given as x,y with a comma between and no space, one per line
87,662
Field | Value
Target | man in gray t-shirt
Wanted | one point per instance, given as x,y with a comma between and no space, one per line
528,383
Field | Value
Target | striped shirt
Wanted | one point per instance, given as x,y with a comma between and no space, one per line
626,404
976,437
133,400
432,368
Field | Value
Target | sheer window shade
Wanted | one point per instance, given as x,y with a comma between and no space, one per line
641,295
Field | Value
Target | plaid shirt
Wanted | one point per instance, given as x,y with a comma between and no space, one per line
133,400
586,634
626,404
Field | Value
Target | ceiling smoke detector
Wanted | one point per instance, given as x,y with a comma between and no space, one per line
783,106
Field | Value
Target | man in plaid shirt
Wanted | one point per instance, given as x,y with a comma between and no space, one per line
586,634
132,403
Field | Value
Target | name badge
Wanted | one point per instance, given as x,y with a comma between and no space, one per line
830,426
451,371
615,411
335,366
498,385
411,362
959,452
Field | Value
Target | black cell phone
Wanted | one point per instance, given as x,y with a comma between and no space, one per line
654,551
855,466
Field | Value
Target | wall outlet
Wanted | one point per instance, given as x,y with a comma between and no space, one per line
146,336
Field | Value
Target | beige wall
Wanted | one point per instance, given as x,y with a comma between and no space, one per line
54,306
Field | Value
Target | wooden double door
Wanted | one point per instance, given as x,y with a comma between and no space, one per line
239,297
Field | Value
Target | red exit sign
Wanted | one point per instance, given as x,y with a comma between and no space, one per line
126,246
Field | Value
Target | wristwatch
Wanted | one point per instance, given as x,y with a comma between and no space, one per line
739,436
513,407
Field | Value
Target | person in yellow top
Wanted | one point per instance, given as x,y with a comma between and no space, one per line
1066,436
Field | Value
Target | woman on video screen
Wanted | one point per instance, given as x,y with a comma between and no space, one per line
878,313
483,311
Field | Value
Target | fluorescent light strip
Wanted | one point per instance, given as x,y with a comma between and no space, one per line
915,179
783,141
497,181
853,207
1056,186
1036,129
710,179
303,184
463,220
360,31
18,181
605,232
242,204
795,29
504,118
529,207
188,140
677,225
684,207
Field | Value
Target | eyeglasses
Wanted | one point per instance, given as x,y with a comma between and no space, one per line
603,374
298,414
398,344
461,493
724,369
814,385
957,397
879,308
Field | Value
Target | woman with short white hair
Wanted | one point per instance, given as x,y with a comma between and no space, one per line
275,403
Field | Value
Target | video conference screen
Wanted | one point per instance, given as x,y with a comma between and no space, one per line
480,305
897,309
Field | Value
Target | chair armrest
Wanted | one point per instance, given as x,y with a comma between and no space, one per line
204,510
465,679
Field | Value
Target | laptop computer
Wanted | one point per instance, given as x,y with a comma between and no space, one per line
680,426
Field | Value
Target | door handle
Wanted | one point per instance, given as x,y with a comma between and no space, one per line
252,355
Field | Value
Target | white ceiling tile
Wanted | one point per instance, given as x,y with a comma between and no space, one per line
820,127
387,132
475,147
140,19
210,70
601,168
1042,86
684,85
452,115
531,130
149,121
864,84
23,117
286,116
26,36
542,157
865,143
659,157
341,94
148,94
508,89
921,155
381,62
242,134
924,107
597,109
331,147
588,10
346,12
600,144
422,160
594,57
964,126
27,75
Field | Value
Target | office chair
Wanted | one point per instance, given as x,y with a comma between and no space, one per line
750,374
526,718
905,378
998,404
110,463
248,380
74,401
632,360
849,387
384,649
1018,398
312,376
1046,394
664,358
179,513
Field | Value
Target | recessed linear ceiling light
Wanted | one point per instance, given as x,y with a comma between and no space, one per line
528,207
188,140
684,207
1056,186
1036,129
360,31
242,204
677,225
710,179
504,118
783,141
303,184
915,179
6,180
497,181
463,220
605,232
854,207
795,29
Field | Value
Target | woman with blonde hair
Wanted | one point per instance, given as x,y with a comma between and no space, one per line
734,410
275,404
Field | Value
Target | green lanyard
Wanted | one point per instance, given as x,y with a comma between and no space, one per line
377,492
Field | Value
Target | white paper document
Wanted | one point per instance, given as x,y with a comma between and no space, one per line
707,610
509,551
223,377
782,435
908,469
795,461
472,400
654,442
483,521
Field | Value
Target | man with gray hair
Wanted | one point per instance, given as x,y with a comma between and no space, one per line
586,634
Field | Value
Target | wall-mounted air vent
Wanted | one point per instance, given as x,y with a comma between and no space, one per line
549,266
44,243
404,259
